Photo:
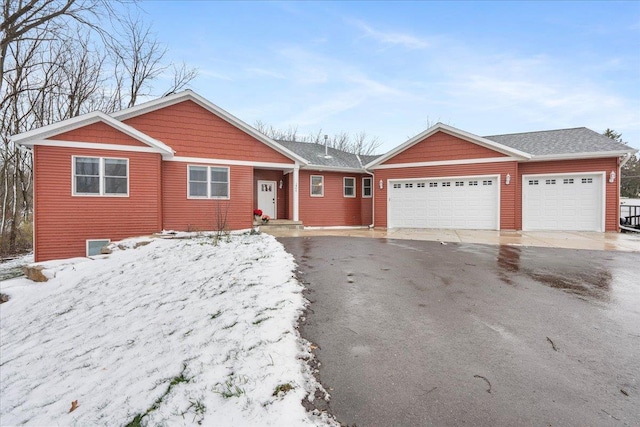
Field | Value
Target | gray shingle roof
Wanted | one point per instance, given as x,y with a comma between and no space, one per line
560,141
314,153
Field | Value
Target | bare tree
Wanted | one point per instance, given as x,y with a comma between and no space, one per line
58,61
360,143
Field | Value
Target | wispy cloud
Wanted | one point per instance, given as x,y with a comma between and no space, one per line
261,72
392,37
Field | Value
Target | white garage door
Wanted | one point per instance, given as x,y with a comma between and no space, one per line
562,202
469,202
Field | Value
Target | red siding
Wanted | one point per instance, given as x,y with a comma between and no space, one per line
181,213
507,192
63,222
333,209
612,195
442,146
277,176
98,132
193,131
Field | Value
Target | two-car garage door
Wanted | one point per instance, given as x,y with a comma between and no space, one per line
457,202
563,202
549,202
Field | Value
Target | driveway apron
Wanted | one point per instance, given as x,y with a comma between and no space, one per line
417,333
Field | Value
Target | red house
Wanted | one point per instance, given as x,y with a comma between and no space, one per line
179,162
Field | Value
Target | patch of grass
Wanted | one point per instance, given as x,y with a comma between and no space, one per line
282,388
258,321
231,387
199,409
231,325
137,420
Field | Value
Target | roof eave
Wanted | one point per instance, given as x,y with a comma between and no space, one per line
578,156
31,138
441,127
323,168
208,105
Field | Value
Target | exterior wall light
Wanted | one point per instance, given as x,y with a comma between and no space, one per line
380,184
612,177
281,184
507,179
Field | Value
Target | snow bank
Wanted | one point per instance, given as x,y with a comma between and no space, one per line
174,332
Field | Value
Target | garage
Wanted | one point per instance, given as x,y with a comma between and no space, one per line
454,202
563,202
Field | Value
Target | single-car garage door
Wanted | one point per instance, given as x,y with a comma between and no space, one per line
562,202
458,202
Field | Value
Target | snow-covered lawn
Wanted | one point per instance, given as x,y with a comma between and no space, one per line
160,332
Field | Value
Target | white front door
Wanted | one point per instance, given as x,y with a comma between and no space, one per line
267,198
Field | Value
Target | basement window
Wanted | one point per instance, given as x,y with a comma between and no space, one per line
95,246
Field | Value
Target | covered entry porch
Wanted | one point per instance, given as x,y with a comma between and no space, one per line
275,192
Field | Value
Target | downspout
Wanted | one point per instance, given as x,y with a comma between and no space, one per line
373,204
373,200
625,159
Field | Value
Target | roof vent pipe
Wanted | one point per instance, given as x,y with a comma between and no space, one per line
326,148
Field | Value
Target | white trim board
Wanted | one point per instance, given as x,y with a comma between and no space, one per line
227,162
446,163
93,146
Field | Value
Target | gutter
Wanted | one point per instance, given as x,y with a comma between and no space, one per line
625,159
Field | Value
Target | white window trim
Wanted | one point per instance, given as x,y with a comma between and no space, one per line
101,177
208,196
364,196
344,186
94,240
311,186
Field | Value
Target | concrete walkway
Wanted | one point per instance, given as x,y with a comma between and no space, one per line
627,242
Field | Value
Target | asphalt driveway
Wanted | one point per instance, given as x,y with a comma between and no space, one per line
415,333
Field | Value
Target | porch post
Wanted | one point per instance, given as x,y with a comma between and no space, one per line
296,179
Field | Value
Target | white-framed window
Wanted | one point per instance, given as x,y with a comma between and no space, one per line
567,181
349,187
367,187
100,176
397,185
446,184
587,180
94,246
207,182
550,181
433,184
420,185
473,183
459,183
408,185
488,182
317,186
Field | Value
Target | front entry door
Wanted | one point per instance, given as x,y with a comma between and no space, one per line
267,198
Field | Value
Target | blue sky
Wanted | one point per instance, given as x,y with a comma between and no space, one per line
393,68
